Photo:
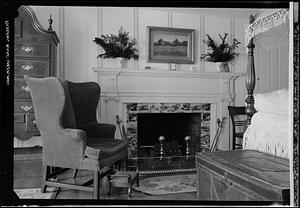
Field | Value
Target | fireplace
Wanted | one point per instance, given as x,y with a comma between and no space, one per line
128,93
146,122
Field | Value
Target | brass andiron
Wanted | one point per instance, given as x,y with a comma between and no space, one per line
187,151
161,139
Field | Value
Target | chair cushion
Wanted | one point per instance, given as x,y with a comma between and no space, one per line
103,130
108,147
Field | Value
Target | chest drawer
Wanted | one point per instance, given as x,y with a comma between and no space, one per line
21,90
23,106
31,50
27,120
31,67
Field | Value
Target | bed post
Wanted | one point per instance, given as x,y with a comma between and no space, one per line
250,78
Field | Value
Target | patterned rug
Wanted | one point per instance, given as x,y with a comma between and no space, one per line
167,184
35,193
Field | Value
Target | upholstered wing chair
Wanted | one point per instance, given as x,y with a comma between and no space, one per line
85,98
64,144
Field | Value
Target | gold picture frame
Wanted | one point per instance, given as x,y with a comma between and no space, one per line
171,45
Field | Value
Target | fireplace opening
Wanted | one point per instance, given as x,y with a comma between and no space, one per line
174,127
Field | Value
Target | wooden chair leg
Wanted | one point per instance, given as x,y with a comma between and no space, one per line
129,191
109,185
137,179
46,172
96,185
75,173
126,161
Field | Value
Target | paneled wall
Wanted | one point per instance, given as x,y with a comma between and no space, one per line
271,60
78,26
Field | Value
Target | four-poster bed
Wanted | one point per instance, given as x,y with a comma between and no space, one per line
267,113
259,172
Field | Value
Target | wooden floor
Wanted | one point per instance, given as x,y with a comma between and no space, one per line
116,193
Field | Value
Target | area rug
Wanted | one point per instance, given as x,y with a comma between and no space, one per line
35,193
171,184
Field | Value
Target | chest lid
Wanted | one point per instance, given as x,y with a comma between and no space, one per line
250,166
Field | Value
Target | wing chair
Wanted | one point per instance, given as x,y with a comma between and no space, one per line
84,98
65,145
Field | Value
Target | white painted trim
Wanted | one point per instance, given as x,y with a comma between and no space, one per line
136,34
202,45
61,47
232,36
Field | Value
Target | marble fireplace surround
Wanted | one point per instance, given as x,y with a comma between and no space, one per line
119,87
199,133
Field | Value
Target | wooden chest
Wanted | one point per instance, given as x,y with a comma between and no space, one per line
242,175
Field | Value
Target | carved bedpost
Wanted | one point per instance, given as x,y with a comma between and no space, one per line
250,79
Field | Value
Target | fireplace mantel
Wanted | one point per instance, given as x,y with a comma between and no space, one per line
119,86
108,71
116,82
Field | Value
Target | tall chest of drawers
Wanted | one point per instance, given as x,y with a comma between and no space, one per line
35,55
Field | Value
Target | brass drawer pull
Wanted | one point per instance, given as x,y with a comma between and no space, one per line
27,49
25,88
225,176
26,108
34,123
27,67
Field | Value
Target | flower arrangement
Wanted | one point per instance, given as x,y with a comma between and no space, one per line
117,45
222,52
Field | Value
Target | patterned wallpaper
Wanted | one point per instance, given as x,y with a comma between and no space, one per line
78,26
80,50
112,20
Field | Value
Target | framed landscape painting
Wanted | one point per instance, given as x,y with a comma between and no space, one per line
171,45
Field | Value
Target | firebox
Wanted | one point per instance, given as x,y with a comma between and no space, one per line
174,127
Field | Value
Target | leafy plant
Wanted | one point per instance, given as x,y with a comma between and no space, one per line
117,45
222,52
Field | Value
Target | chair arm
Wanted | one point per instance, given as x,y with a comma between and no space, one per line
76,138
64,148
106,131
77,134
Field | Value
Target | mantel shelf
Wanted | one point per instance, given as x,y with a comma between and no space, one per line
167,73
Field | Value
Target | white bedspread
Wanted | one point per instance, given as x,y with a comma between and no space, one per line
273,102
268,133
